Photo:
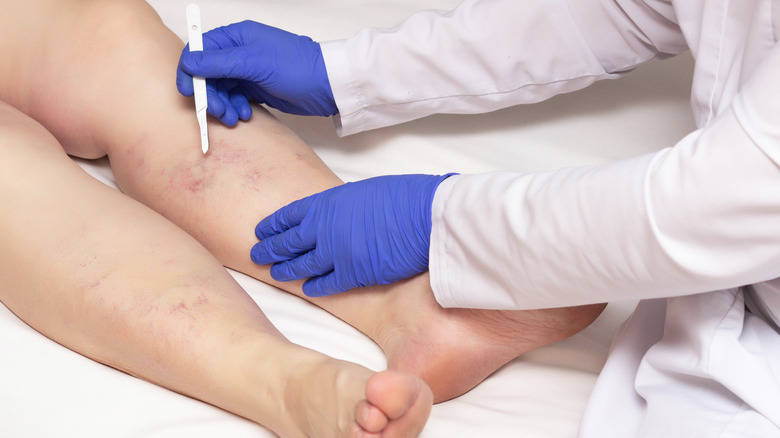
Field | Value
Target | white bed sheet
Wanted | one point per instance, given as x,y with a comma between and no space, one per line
47,390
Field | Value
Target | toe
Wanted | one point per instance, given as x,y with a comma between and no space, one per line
370,418
393,392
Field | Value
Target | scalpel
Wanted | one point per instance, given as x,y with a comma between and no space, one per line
199,84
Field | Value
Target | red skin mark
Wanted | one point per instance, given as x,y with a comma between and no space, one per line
236,158
182,307
195,185
133,155
255,179
198,177
179,307
189,179
225,153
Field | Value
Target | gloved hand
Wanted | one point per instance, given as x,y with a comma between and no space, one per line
251,62
375,231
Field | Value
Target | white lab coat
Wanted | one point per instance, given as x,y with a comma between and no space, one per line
698,217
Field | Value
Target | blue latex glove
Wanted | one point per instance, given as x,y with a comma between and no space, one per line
375,231
251,62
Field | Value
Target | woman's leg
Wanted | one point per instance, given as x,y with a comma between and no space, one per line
109,278
112,66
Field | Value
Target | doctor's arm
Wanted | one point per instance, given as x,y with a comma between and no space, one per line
697,217
479,57
324,236
491,54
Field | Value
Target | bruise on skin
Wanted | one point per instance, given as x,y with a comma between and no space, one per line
242,166
198,175
254,177
224,153
194,183
242,163
194,178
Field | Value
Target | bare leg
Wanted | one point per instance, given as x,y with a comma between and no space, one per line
150,135
109,278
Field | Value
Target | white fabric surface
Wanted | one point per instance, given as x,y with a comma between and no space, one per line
48,390
692,366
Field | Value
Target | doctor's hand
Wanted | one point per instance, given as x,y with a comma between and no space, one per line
375,231
251,62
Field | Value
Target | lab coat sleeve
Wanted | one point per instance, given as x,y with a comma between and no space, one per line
489,54
700,216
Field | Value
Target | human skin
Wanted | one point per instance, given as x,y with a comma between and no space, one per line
109,278
106,276
151,138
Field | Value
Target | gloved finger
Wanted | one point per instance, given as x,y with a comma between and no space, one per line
216,107
283,247
308,265
184,80
236,104
324,285
230,115
261,255
221,64
284,218
241,104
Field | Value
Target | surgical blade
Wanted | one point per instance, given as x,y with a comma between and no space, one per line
198,84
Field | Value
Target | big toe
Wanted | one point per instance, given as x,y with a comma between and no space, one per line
395,392
404,399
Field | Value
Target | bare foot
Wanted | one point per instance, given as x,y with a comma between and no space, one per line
454,350
365,404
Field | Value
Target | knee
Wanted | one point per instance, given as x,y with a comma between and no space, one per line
121,24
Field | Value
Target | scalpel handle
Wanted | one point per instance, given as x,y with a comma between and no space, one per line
194,32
